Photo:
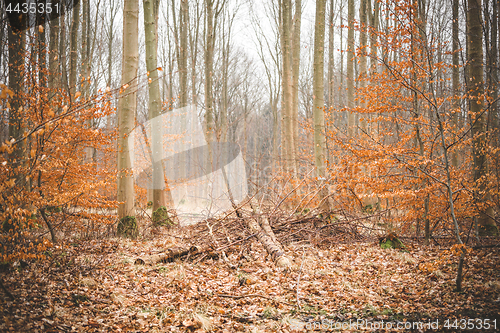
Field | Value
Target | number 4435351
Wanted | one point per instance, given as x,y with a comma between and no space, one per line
33,8
471,324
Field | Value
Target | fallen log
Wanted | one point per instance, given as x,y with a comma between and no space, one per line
169,255
259,224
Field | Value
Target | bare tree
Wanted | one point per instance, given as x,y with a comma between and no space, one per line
127,108
478,111
319,100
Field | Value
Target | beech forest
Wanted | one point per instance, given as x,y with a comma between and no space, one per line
249,166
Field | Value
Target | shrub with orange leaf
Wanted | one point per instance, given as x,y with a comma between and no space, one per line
397,160
57,183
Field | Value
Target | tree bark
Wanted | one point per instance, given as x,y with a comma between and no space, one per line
183,52
374,25
209,58
319,102
62,51
286,110
259,224
127,108
73,58
455,77
295,74
363,45
16,115
331,63
493,77
350,70
478,113
53,55
154,103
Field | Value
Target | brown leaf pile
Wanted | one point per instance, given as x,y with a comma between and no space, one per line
94,286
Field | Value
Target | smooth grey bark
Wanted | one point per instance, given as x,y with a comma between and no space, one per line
209,59
295,74
127,106
350,70
319,102
288,149
150,8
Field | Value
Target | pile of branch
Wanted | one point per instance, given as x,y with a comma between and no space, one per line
272,227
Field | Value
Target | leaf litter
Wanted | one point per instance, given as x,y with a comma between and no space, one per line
95,286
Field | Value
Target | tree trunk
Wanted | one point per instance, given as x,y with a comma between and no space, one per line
127,108
193,40
363,45
287,118
259,224
62,51
478,113
183,52
455,77
73,58
319,102
493,77
350,69
16,115
154,104
374,22
295,74
54,60
209,59
331,63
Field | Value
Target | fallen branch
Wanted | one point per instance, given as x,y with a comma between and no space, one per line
267,238
169,255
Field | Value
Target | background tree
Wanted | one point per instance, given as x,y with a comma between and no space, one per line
126,114
318,101
478,112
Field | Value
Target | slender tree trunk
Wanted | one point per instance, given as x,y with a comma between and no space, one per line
287,118
209,58
127,108
295,74
110,47
62,50
478,113
374,26
75,22
194,55
319,101
16,115
42,52
53,55
226,42
341,84
493,65
182,63
154,104
363,45
350,70
455,77
331,63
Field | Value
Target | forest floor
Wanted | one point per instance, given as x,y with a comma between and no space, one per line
95,286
